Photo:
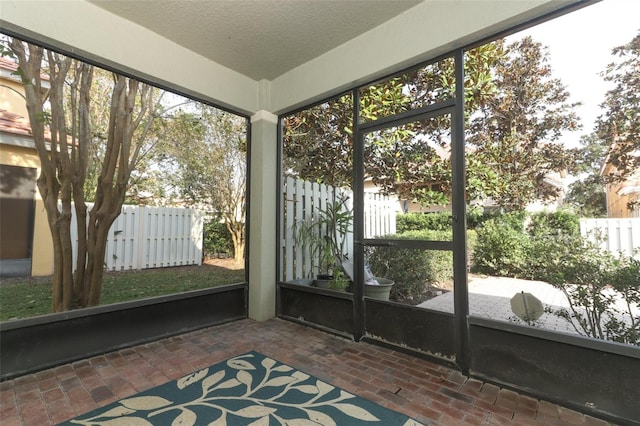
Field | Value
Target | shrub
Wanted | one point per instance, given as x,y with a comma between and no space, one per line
423,221
412,270
603,290
501,249
217,240
440,221
547,256
476,217
514,220
594,282
554,223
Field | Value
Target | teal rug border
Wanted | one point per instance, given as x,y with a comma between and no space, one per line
249,389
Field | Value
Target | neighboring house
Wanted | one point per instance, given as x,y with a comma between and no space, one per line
623,194
25,240
623,197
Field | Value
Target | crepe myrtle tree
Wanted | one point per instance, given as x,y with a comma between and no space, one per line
63,136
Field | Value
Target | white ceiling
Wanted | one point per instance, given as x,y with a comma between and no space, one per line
261,39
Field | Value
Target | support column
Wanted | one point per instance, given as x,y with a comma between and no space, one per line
263,197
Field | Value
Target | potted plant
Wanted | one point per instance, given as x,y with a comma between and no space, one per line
325,236
375,288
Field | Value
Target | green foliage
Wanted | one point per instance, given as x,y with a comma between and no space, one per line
476,216
510,97
603,290
217,239
554,223
515,133
514,220
505,248
412,270
29,297
501,249
619,125
586,195
340,281
326,235
420,222
205,150
442,221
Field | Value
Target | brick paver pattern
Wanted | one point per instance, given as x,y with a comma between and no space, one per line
430,393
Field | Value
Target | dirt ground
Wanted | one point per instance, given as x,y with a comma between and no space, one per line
228,263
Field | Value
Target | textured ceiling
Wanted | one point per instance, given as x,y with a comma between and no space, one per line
261,39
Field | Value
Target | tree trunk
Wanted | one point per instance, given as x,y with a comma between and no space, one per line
236,229
64,163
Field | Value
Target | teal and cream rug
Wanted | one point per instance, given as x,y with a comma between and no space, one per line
250,389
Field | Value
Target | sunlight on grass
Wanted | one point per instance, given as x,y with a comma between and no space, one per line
29,297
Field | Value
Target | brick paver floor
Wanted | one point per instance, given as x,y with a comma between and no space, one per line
432,394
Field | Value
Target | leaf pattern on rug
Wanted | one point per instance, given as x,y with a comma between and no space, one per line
250,390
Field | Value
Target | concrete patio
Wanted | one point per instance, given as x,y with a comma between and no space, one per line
490,297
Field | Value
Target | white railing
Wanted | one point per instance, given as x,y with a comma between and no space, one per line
302,201
614,235
152,237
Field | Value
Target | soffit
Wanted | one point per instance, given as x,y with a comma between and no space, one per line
261,39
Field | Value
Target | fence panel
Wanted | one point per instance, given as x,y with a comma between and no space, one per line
301,202
151,237
614,235
380,214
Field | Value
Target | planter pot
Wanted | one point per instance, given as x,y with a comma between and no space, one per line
379,291
301,281
323,280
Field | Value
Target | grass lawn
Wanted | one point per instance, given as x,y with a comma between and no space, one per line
29,297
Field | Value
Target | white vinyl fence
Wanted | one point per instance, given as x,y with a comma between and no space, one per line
152,237
614,235
302,200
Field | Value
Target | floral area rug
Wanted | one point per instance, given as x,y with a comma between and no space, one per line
250,389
